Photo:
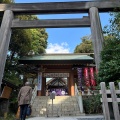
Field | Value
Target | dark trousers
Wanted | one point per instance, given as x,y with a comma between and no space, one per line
23,111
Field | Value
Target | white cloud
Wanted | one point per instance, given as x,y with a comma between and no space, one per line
58,48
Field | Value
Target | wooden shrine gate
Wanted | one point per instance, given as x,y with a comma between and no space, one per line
8,11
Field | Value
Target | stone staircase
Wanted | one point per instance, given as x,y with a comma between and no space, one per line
62,106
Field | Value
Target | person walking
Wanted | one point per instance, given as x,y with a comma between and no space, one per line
24,98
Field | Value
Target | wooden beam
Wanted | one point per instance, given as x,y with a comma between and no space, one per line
109,92
84,22
111,100
5,34
60,7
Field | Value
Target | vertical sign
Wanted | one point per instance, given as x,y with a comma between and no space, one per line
39,81
79,70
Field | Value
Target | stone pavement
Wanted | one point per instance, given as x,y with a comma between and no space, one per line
91,117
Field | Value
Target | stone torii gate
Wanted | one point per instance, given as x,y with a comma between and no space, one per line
8,11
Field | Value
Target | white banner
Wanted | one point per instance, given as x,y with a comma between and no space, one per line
39,86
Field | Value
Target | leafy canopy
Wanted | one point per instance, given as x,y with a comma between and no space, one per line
23,42
110,65
85,46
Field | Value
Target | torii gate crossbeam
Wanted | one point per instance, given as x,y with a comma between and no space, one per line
60,7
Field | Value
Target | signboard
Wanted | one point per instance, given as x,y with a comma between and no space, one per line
51,75
52,96
6,92
39,86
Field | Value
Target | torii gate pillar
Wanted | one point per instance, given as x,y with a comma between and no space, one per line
5,34
97,36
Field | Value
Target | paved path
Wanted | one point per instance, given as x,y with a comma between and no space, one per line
98,117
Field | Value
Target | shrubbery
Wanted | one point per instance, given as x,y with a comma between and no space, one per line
92,104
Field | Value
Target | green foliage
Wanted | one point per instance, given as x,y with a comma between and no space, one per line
25,40
39,43
6,1
114,28
22,42
85,46
10,116
110,64
92,104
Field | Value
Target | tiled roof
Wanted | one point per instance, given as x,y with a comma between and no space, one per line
56,57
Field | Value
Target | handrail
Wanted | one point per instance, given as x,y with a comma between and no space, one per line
79,98
34,94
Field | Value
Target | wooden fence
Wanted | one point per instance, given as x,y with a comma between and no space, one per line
114,98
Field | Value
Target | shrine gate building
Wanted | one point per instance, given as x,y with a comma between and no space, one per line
59,66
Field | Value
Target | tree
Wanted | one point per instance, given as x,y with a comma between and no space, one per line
85,46
6,1
39,43
22,42
110,65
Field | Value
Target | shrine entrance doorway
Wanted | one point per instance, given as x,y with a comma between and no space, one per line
57,85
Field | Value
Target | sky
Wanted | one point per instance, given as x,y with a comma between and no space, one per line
64,40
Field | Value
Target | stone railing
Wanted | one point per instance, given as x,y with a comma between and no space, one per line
34,94
79,98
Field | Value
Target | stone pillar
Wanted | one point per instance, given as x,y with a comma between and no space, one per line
97,36
72,84
5,34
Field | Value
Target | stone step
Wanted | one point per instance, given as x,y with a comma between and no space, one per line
81,117
62,106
